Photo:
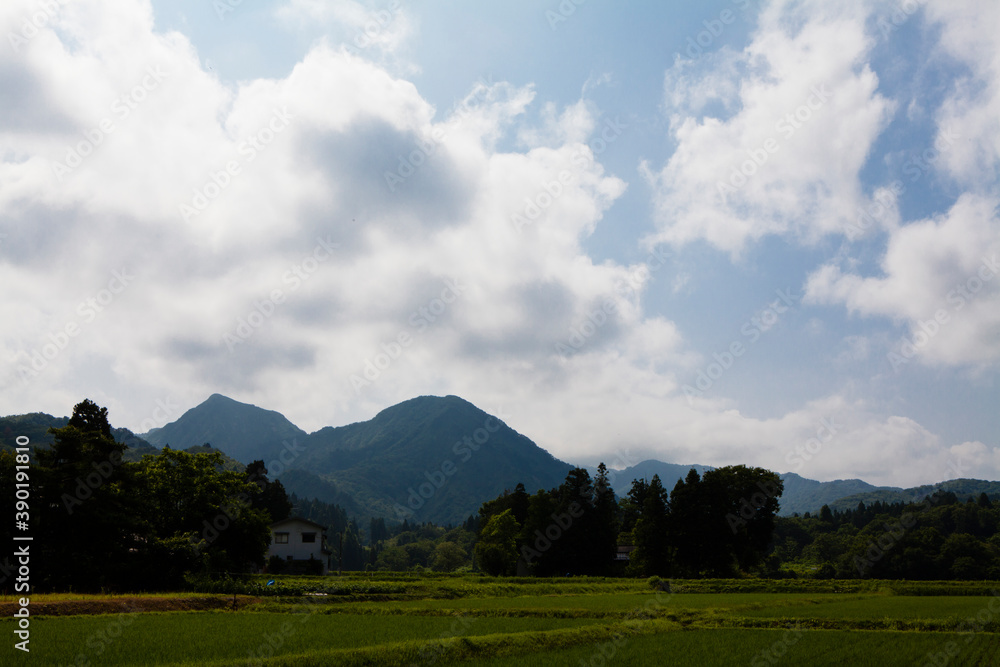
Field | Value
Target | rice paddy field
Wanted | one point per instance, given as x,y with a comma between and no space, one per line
433,620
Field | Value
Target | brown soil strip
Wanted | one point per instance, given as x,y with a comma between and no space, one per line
119,605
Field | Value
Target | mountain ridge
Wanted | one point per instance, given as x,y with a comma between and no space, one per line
403,463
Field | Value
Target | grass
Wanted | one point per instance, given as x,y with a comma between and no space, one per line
406,620
194,638
765,647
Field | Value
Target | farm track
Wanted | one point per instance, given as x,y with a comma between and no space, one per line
130,605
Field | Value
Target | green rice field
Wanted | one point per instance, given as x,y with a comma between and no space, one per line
407,620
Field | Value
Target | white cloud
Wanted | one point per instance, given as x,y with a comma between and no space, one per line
969,34
349,152
939,277
802,112
383,27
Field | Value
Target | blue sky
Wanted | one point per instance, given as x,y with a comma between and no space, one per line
634,231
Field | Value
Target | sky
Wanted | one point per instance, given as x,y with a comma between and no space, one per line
721,232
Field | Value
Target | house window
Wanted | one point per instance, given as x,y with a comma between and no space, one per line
309,537
281,538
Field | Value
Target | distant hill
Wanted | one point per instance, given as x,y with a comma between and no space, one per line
430,458
35,426
807,495
245,432
438,457
427,459
621,480
800,494
962,488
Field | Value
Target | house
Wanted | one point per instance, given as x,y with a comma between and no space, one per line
297,542
624,553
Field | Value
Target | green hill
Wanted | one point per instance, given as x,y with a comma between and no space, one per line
245,432
427,459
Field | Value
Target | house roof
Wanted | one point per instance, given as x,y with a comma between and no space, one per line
297,519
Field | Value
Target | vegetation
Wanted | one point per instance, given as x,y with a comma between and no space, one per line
138,525
937,538
716,525
405,619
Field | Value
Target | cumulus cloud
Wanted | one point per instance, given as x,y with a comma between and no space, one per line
968,34
939,277
327,243
771,140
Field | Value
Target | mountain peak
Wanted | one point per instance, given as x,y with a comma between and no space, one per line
244,431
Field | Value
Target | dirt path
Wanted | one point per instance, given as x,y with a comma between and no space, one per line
118,605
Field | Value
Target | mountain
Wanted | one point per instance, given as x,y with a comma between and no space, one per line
807,495
35,426
426,459
962,488
800,494
244,432
621,480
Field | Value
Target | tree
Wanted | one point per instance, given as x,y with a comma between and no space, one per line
652,541
602,526
189,498
86,505
448,557
749,499
496,549
272,497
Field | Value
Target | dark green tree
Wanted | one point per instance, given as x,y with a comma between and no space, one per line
652,555
496,550
86,506
272,497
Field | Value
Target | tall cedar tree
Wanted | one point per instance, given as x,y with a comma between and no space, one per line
651,539
85,506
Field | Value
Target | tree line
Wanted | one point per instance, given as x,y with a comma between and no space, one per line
936,537
715,525
101,522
